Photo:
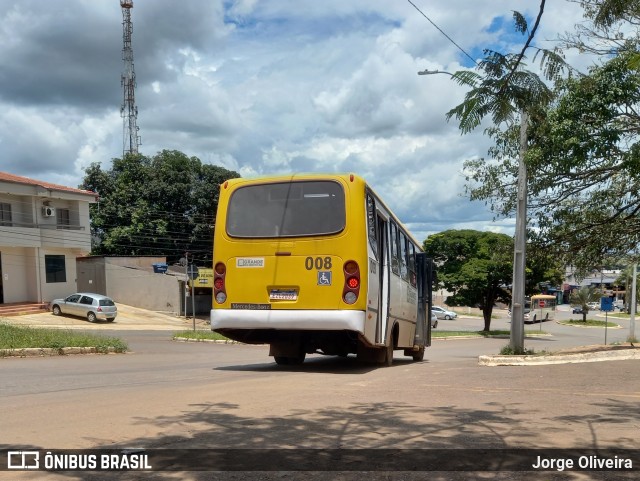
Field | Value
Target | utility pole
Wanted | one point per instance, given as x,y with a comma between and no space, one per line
520,244
632,317
186,281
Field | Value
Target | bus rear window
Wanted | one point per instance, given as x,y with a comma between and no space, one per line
290,209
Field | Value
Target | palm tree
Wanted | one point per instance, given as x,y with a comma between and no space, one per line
582,297
508,93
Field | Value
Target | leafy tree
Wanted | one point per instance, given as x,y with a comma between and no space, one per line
610,26
583,159
475,266
582,297
163,205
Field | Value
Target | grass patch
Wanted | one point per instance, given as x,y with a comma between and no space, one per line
22,337
588,323
494,333
509,351
200,336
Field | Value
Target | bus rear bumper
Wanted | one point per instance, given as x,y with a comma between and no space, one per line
316,320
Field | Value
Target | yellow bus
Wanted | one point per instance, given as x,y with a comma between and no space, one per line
543,308
312,263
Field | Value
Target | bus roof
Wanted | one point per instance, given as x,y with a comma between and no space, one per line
345,177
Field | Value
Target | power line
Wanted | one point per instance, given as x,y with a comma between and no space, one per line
443,33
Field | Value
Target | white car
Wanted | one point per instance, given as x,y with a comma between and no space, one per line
442,313
434,320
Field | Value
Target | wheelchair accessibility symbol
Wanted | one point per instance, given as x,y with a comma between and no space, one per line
324,278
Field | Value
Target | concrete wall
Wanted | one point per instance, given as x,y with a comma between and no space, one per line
15,278
144,289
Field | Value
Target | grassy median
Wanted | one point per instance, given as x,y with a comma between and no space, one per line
21,337
200,335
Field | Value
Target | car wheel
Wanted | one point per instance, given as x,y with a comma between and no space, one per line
281,360
435,324
447,317
56,310
91,317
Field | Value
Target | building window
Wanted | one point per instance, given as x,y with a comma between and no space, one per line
5,214
63,219
55,268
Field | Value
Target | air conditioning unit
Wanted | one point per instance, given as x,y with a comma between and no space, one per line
48,211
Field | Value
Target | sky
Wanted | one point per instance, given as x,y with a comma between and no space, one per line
262,88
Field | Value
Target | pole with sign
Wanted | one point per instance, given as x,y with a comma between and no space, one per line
192,273
606,305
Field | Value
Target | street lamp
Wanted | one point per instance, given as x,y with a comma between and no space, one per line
520,238
432,72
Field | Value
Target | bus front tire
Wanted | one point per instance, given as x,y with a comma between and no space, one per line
388,358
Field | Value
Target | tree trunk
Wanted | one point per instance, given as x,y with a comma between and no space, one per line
486,313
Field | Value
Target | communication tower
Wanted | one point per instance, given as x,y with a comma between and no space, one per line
128,111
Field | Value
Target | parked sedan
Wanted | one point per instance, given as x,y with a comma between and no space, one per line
85,304
442,313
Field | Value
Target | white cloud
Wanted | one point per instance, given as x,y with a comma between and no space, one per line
260,88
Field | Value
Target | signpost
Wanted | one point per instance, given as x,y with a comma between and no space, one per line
606,305
192,274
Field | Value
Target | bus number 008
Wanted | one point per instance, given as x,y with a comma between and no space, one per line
318,263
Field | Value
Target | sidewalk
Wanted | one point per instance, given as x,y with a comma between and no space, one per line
129,318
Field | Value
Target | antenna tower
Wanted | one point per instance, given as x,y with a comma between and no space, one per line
128,111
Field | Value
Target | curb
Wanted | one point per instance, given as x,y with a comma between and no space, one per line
215,341
63,351
559,359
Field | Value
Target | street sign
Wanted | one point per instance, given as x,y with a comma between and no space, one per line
606,304
541,303
192,271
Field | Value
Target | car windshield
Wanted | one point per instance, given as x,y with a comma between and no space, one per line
287,209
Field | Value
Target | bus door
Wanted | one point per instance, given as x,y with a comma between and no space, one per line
383,279
425,274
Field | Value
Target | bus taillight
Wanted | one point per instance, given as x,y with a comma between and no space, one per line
351,282
219,290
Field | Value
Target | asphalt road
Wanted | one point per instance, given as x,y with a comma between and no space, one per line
176,395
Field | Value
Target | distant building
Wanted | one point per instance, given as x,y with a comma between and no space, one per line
605,281
44,227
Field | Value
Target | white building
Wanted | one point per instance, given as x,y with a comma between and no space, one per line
43,228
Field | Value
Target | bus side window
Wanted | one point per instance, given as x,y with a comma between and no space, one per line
412,265
404,268
395,264
371,224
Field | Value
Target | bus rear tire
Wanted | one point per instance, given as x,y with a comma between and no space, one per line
281,360
289,360
297,360
418,355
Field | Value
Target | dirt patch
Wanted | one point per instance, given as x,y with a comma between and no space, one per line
595,348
